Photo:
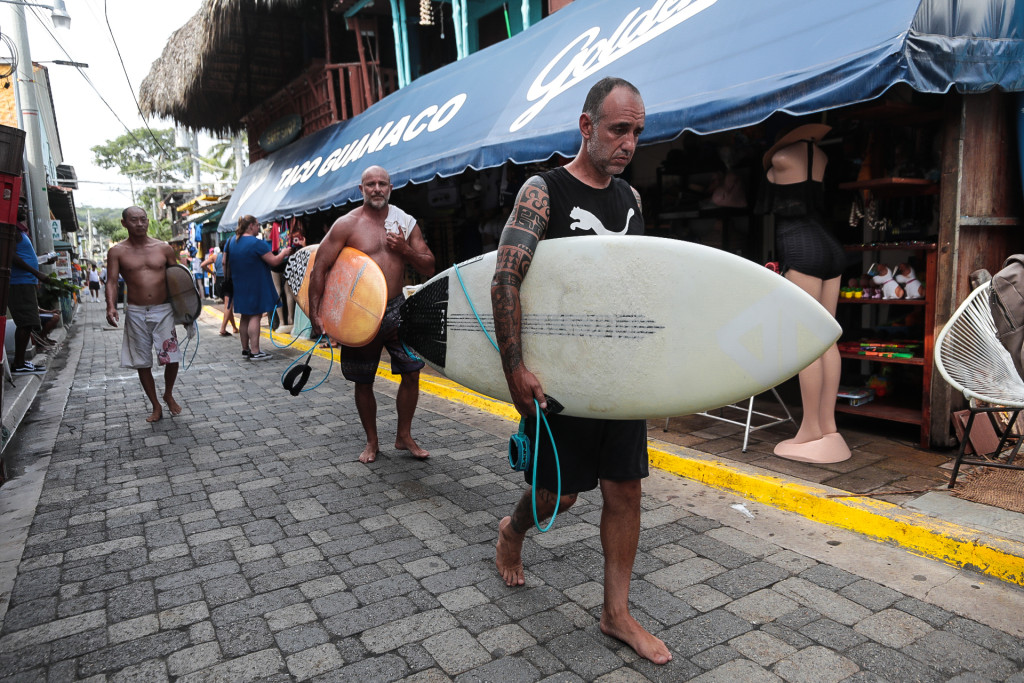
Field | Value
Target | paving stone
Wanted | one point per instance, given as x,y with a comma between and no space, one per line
738,670
686,573
950,654
244,637
194,658
870,594
704,631
890,664
746,579
505,640
892,628
51,631
832,635
456,651
292,615
997,641
256,666
822,600
761,647
714,657
133,628
301,637
407,630
146,672
762,606
232,549
703,598
504,670
815,664
314,661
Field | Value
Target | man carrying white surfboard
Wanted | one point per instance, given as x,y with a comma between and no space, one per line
582,198
392,239
149,319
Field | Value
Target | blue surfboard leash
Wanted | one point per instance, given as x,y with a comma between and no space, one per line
519,443
293,378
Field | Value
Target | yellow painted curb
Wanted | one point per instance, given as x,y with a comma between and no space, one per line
952,544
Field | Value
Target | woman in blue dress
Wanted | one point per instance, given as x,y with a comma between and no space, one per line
250,263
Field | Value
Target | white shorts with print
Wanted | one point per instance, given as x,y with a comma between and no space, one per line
147,328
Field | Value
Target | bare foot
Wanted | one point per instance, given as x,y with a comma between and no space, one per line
629,631
369,454
172,405
407,444
158,412
508,557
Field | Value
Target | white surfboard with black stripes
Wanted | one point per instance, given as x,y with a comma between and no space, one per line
625,327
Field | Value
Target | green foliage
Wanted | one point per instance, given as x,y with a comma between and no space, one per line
145,156
53,288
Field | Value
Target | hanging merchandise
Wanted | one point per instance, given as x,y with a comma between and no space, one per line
426,13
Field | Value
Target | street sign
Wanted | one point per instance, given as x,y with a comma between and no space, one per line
55,228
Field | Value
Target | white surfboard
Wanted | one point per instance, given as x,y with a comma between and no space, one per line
626,327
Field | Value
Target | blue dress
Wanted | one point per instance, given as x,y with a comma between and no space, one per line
254,288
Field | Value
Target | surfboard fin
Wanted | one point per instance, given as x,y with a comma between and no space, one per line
554,407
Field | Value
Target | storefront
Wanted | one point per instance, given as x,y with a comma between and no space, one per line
914,91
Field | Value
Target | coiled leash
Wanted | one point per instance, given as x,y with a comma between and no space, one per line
519,444
184,348
519,458
295,376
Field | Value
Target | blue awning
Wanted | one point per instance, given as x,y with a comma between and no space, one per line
701,65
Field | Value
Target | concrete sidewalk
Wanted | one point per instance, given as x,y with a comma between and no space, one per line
241,541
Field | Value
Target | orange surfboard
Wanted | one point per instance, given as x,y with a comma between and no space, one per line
355,294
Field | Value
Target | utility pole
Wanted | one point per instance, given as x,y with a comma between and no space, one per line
28,119
197,187
236,144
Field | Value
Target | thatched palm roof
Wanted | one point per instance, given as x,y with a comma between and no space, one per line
228,58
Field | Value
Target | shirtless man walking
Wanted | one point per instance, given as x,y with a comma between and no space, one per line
148,320
392,239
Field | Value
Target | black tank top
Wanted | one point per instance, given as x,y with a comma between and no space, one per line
805,199
578,209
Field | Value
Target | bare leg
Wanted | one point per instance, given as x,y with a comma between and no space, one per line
149,386
366,405
254,333
817,440
229,317
170,374
512,531
408,394
244,331
620,533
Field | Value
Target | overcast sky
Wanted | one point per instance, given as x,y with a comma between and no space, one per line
141,29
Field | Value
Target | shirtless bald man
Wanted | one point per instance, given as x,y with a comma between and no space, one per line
392,238
149,321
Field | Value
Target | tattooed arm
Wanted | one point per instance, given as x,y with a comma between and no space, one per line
523,231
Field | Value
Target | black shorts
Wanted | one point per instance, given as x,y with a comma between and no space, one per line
24,306
588,450
804,245
94,286
359,364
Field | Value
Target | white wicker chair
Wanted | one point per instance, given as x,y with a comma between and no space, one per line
970,357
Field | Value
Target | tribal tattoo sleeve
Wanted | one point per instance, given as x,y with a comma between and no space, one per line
523,231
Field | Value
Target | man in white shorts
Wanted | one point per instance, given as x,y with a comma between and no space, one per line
149,320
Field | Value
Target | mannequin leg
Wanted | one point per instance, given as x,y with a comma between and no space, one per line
817,439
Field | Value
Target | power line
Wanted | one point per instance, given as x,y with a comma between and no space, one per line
129,81
84,75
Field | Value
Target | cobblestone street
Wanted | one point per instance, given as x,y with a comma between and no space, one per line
241,540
